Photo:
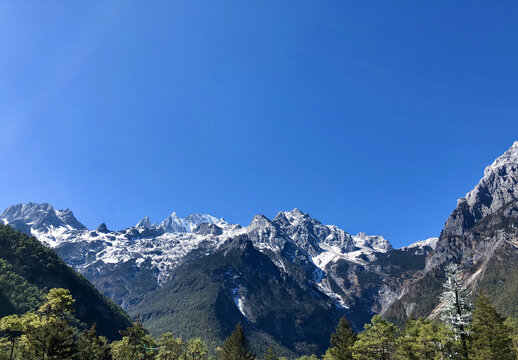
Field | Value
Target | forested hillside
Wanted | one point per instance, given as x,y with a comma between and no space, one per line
29,269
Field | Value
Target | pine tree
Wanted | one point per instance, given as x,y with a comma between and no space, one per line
135,344
197,349
236,346
456,311
93,347
11,328
424,339
342,341
48,333
490,337
171,348
512,325
377,341
270,354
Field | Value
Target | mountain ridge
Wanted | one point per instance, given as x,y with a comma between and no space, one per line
480,235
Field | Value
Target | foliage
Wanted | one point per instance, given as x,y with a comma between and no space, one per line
135,344
236,346
92,346
196,349
377,341
29,269
512,325
47,333
171,348
270,354
425,339
342,341
491,338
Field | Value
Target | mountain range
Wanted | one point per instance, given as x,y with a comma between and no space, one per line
279,277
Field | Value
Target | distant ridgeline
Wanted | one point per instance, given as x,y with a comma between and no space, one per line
199,276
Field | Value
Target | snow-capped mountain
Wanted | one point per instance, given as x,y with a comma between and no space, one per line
41,217
202,266
174,224
148,252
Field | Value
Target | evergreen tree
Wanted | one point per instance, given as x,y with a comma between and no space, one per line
171,348
342,341
11,328
456,311
236,346
197,349
48,333
424,339
270,354
135,344
490,337
512,325
93,347
377,341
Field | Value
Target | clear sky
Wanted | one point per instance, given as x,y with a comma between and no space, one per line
372,115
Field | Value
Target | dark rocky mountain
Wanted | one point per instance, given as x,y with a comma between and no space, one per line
481,235
29,269
239,283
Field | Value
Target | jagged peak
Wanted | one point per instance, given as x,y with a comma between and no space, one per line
41,215
145,222
296,213
430,242
259,219
508,157
174,223
498,186
375,242
102,228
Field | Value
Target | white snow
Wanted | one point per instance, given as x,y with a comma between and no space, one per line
431,242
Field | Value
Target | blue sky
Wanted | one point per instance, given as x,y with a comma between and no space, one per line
375,116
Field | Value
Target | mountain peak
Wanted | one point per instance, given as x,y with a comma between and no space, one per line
375,242
294,216
174,223
41,217
498,187
145,222
510,157
102,228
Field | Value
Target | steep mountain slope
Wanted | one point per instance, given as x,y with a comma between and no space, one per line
238,283
482,236
28,270
354,275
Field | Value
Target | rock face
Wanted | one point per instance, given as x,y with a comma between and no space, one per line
498,187
239,283
480,235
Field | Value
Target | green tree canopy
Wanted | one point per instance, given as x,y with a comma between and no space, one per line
377,341
236,346
490,336
342,341
270,354
171,348
425,339
92,346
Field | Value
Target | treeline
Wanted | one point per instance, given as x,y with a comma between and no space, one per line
465,332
